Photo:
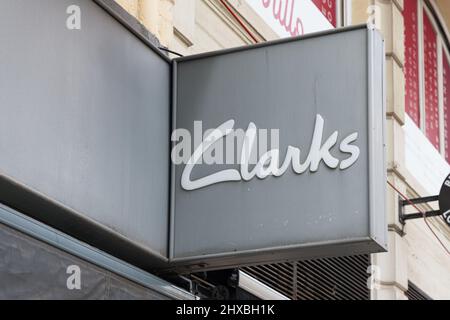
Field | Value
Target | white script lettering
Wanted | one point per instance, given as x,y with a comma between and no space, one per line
268,164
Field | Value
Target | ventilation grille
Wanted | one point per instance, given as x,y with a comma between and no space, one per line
343,278
414,293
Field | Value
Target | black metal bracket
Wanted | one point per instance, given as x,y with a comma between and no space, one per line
403,217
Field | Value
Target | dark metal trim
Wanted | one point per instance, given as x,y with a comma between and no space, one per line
59,240
38,206
428,214
403,217
170,51
343,278
420,200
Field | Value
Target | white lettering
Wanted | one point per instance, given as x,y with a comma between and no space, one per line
268,164
186,310
317,152
346,147
222,176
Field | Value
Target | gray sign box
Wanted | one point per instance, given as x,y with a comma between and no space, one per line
284,85
85,125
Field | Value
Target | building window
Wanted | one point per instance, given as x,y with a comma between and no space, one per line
431,81
446,102
412,102
427,75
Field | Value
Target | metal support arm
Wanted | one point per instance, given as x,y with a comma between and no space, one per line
403,203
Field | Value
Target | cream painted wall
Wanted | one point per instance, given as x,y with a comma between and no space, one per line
130,5
428,263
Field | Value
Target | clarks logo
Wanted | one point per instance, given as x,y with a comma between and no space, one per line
252,150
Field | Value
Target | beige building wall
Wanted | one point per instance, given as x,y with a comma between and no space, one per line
194,26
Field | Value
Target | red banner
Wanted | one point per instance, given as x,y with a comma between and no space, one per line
447,106
328,9
431,82
412,101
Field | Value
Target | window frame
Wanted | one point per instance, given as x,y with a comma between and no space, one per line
442,49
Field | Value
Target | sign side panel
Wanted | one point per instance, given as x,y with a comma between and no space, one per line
377,141
85,119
